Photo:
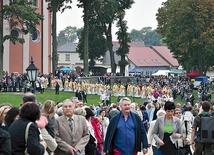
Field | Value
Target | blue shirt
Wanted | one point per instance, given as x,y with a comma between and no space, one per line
124,140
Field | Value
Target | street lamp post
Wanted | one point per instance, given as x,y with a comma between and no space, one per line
32,72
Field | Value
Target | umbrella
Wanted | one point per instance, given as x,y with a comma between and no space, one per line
134,70
67,69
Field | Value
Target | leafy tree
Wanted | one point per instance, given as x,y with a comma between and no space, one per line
79,32
21,12
136,36
188,29
106,13
54,7
17,12
97,45
124,39
69,34
85,4
147,35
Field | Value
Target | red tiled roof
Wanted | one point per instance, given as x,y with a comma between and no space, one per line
165,52
145,56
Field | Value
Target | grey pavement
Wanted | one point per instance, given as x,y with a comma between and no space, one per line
151,153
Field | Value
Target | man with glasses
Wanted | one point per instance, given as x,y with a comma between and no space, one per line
126,134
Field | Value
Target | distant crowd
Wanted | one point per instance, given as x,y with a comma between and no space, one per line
159,126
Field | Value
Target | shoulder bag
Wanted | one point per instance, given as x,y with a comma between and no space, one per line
26,137
184,150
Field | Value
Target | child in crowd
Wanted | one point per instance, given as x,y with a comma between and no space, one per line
47,119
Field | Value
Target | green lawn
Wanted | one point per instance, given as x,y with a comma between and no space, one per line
16,98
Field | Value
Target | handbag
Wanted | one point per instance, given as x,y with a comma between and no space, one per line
26,137
184,150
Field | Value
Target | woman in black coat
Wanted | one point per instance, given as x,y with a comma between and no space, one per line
29,113
5,143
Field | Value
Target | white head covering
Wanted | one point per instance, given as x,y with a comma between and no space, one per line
160,111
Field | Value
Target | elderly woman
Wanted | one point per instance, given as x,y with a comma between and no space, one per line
167,130
35,146
151,141
186,130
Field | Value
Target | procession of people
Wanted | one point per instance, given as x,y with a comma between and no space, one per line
74,127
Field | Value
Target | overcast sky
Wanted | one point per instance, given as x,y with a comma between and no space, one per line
142,14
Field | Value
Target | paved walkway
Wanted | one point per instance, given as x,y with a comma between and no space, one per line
151,153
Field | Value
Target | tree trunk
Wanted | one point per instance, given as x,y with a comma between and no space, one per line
85,58
54,36
122,67
110,48
1,39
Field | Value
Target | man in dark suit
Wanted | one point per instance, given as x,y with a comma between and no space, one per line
78,94
84,96
57,88
72,134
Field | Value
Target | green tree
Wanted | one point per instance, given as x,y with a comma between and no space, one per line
97,43
96,48
17,12
136,36
147,35
188,30
85,4
69,34
54,7
106,13
124,39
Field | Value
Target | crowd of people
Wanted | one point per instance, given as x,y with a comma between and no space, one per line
122,128
147,87
72,127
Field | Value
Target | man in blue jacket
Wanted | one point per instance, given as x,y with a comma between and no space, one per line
126,134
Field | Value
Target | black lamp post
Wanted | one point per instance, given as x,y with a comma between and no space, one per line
32,72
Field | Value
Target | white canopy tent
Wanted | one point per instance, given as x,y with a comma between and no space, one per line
161,72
